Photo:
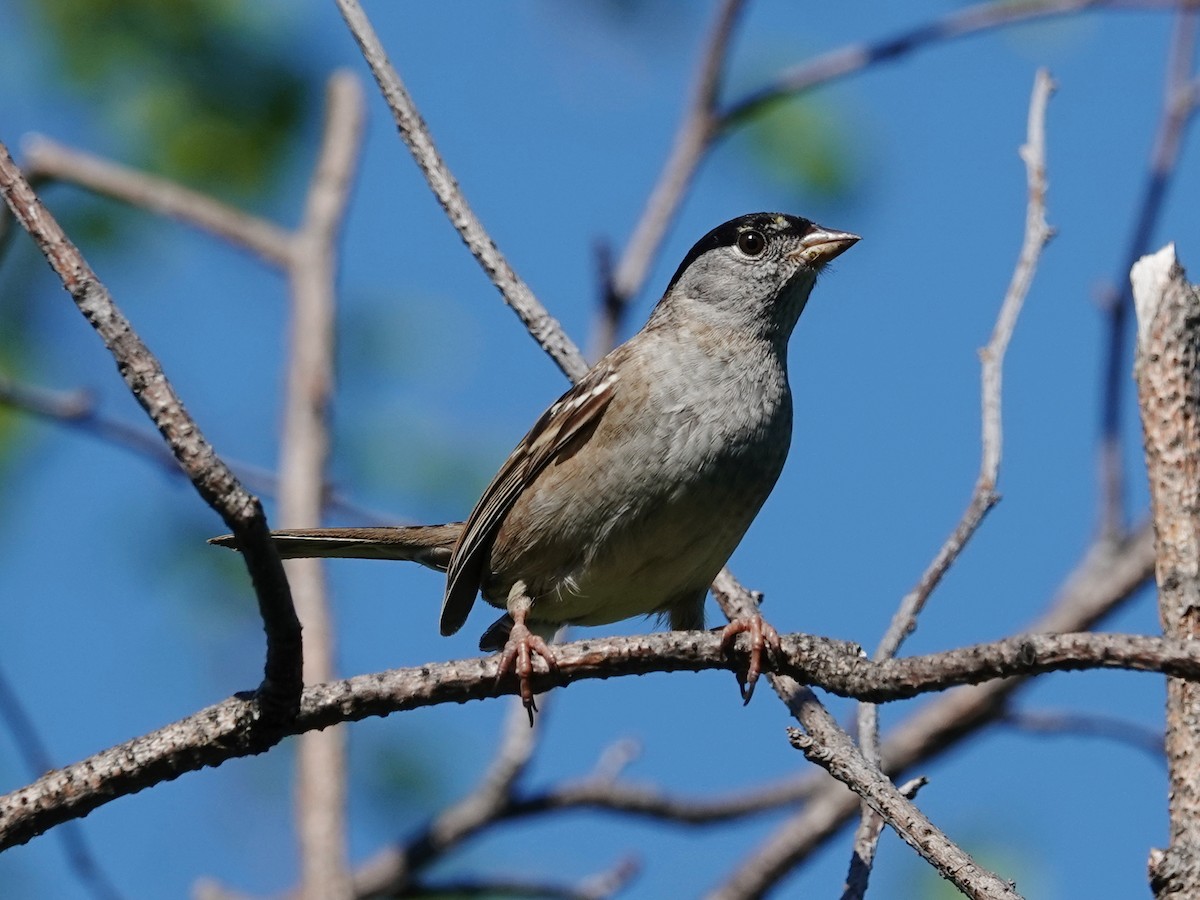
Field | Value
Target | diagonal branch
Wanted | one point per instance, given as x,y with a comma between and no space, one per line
1108,575
392,871
211,477
82,862
984,495
78,410
47,159
1180,98
823,742
696,132
544,328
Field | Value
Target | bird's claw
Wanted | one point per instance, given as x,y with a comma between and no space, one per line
517,659
763,636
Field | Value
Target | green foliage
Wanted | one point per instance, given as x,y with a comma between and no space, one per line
805,146
203,84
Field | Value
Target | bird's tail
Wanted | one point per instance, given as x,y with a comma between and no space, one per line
429,545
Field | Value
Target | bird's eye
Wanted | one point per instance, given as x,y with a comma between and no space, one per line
752,243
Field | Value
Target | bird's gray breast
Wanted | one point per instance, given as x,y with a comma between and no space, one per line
668,483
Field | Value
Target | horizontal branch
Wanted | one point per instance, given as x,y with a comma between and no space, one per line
232,729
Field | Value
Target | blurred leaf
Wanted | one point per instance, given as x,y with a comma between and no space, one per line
805,146
202,87
405,775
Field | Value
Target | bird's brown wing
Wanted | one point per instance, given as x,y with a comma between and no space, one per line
551,436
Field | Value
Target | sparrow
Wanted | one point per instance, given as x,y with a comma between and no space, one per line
630,493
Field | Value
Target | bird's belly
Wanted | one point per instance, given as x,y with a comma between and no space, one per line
646,557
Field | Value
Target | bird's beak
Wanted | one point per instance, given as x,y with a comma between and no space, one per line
821,245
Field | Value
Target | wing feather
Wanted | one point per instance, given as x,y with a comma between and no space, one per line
552,434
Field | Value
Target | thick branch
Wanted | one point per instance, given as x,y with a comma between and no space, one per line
229,729
212,479
1168,378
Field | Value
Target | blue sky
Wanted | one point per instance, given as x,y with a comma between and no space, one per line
117,619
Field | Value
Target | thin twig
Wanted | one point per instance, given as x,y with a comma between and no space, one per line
984,495
303,454
1181,95
692,140
47,159
866,841
1073,724
1107,575
211,477
393,870
594,887
77,409
612,307
853,58
541,325
824,743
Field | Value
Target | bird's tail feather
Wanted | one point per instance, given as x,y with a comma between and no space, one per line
429,545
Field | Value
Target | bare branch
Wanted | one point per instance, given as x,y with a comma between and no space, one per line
391,872
702,127
45,158
974,19
1109,573
541,325
594,887
1168,379
230,729
304,452
827,745
983,496
866,841
692,141
211,477
1180,97
77,409
1073,724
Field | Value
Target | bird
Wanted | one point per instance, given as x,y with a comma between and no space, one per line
631,491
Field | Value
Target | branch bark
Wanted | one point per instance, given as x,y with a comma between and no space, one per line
211,477
984,495
233,728
304,451
1168,379
544,328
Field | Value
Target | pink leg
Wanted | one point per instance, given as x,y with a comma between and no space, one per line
522,645
763,636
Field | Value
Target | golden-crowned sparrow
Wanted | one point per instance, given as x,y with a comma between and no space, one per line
631,491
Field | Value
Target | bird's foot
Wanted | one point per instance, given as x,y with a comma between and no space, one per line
763,636
517,659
